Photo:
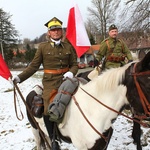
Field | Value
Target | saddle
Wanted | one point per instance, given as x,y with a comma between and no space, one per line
59,99
37,106
35,103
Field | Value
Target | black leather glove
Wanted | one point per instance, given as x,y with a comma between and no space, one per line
96,62
130,61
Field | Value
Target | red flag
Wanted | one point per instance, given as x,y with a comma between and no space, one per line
4,71
76,32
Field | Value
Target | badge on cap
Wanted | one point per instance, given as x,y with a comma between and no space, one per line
54,23
112,27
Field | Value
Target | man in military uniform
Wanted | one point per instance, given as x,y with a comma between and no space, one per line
113,51
59,61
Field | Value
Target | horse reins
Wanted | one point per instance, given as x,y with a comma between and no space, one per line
87,119
143,99
15,105
77,104
119,113
30,113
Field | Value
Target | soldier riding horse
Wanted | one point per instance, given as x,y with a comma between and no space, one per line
97,103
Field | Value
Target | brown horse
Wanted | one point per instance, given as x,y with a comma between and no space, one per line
137,82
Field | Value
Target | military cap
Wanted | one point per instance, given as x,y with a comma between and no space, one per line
54,23
112,27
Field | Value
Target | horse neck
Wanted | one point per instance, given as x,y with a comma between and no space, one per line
106,88
108,80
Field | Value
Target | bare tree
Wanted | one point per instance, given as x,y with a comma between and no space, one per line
138,12
102,14
91,30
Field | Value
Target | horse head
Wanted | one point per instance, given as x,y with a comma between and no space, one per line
137,80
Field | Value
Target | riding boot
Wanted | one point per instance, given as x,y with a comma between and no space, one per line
50,129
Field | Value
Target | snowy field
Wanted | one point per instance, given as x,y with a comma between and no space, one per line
17,135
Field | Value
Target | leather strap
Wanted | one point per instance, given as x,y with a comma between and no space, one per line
31,115
57,71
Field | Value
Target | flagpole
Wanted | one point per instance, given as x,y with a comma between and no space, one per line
31,115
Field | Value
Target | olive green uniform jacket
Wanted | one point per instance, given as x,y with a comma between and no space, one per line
52,57
117,49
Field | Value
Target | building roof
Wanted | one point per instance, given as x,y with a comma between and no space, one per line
93,48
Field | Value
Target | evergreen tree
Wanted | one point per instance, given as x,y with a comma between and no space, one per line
8,35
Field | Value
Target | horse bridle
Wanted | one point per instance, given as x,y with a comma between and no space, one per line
143,99
119,113
145,104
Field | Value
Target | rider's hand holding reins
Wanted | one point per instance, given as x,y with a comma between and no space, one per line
16,80
96,62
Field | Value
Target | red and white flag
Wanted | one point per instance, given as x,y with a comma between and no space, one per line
76,32
4,71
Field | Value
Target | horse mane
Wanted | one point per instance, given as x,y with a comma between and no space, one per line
109,79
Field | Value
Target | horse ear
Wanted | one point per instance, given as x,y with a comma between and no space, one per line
146,62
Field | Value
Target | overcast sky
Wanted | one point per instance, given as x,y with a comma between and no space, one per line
29,16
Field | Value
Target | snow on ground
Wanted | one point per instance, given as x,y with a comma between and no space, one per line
17,135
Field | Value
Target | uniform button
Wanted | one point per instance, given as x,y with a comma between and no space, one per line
60,60
59,53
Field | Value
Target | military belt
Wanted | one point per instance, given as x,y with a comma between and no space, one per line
57,71
116,58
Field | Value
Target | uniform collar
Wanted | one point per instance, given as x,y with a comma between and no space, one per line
56,42
113,38
53,43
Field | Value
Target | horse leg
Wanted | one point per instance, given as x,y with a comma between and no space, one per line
40,142
102,144
136,134
37,138
109,134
